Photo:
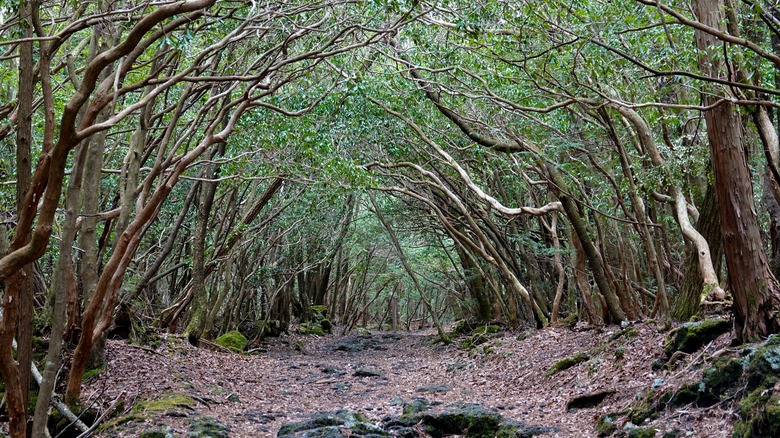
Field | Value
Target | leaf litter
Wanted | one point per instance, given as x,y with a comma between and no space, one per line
298,376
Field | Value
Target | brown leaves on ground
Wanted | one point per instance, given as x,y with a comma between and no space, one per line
298,376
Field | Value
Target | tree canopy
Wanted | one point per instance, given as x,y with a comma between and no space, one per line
215,165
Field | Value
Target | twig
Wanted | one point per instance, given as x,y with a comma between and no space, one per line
55,400
103,415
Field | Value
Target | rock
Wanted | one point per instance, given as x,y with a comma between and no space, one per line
365,372
332,371
435,389
605,426
330,425
156,433
233,340
693,335
311,329
207,427
642,432
568,362
358,343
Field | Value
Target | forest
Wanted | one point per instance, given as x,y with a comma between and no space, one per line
502,187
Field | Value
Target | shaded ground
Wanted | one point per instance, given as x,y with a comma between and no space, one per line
298,376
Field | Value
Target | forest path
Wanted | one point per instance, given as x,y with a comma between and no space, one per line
298,376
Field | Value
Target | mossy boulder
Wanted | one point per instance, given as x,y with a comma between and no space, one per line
156,433
207,427
477,421
605,426
719,380
691,336
763,368
169,403
750,379
642,432
486,329
311,329
567,362
233,340
330,424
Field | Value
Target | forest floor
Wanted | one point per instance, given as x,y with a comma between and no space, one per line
296,376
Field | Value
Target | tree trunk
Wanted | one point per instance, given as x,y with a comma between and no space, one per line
688,302
755,290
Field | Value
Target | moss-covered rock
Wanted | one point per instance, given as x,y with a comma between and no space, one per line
605,426
642,432
207,427
234,341
719,380
330,424
311,329
693,335
763,368
169,403
486,329
155,433
567,362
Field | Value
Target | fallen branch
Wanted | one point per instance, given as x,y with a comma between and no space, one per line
108,411
55,400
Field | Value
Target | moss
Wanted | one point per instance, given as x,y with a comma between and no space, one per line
693,335
234,341
319,310
620,352
40,348
207,427
763,368
605,426
479,422
167,402
273,328
570,321
154,433
311,329
760,415
486,329
642,432
91,374
718,380
647,408
567,363
628,332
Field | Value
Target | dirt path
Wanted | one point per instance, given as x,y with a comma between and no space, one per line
298,376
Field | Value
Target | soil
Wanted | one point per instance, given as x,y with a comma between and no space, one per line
296,376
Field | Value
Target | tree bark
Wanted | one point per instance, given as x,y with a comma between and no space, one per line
755,289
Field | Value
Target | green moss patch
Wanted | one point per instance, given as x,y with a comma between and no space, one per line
169,403
234,341
567,362
691,336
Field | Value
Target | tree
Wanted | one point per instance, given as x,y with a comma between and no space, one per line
756,291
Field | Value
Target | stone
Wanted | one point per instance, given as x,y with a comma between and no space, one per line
233,341
691,336
207,427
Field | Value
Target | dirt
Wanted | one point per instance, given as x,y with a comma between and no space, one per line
297,376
